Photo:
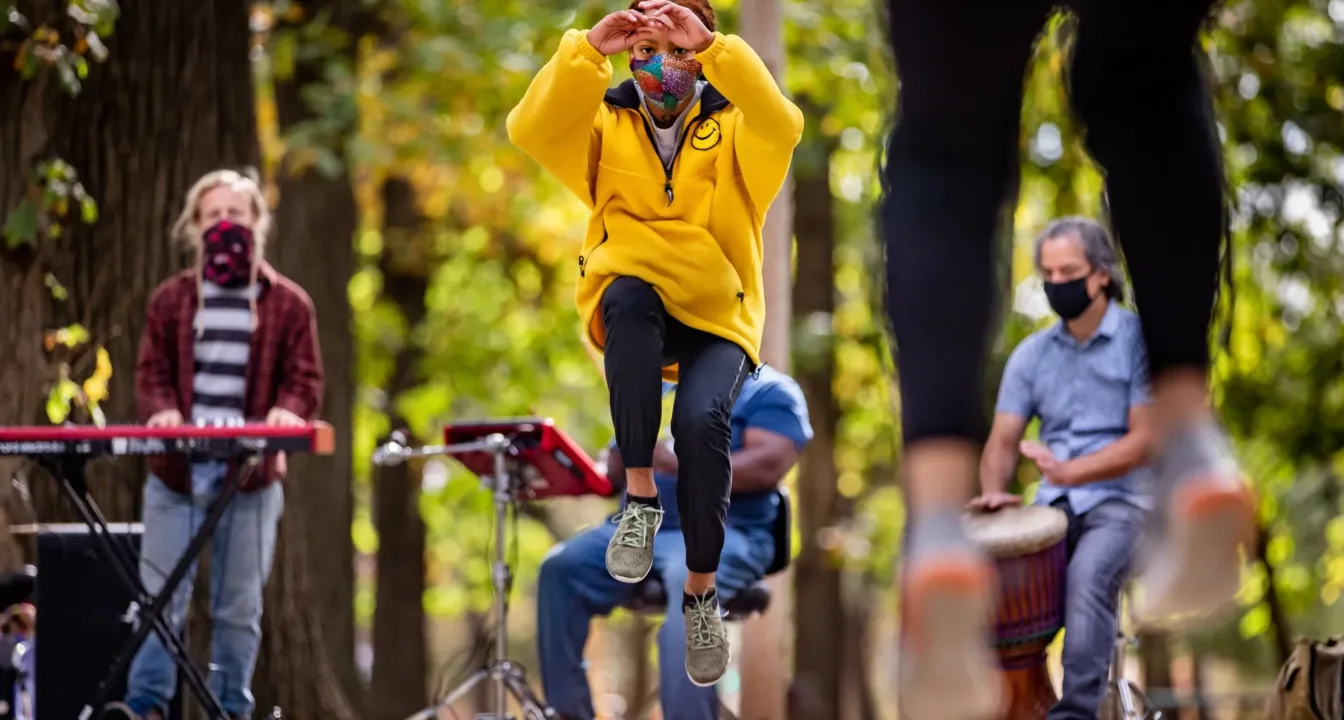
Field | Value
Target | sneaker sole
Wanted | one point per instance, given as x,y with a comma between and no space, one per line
1217,523
717,680
956,675
631,579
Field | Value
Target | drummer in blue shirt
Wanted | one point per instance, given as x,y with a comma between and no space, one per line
770,428
1086,379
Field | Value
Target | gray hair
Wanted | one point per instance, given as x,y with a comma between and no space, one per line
1097,248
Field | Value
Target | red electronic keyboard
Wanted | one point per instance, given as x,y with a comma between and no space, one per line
221,440
65,451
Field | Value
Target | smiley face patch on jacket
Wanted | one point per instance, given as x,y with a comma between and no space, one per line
707,135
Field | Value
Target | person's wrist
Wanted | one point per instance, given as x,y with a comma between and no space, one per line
593,42
705,43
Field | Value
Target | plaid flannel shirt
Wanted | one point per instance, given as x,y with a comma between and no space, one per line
284,367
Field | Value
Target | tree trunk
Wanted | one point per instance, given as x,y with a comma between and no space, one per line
400,655
637,636
765,653
173,101
817,576
1201,700
1278,616
24,135
1155,663
857,695
317,220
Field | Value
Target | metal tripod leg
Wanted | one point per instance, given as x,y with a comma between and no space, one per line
1131,702
71,476
508,677
513,680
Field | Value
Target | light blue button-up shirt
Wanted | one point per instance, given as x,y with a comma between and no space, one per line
1082,392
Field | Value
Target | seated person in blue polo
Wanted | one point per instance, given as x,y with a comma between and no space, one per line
770,429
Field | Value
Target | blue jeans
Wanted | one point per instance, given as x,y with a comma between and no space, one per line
242,550
1102,542
574,586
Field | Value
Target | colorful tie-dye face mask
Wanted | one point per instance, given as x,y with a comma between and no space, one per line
667,81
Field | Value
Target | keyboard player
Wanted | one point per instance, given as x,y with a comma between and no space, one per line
227,341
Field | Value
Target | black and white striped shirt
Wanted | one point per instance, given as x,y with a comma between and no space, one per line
223,340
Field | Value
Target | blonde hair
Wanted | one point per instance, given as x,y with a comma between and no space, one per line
245,182
187,227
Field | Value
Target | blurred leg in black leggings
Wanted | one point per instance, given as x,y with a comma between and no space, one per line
952,174
1149,121
952,170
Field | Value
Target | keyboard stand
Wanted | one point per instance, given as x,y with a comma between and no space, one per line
70,472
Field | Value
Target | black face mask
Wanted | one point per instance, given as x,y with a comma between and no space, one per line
1068,299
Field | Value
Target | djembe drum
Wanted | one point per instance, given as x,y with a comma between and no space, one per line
1028,547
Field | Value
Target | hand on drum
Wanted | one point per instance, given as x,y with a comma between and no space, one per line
1051,468
990,502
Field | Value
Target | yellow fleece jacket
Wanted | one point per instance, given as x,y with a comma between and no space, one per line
693,232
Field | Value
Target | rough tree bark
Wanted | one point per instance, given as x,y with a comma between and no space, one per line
400,654
766,640
172,102
24,140
1155,664
317,220
818,672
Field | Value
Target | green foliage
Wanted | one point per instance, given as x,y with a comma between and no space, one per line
89,21
44,211
1278,67
54,184
66,396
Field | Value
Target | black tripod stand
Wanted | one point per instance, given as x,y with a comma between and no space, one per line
505,486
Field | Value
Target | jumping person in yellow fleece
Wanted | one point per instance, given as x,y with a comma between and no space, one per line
679,166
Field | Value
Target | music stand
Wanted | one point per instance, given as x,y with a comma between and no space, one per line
525,458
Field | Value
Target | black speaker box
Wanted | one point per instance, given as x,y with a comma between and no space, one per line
81,603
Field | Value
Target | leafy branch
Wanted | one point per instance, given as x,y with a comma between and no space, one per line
54,187
43,47
68,396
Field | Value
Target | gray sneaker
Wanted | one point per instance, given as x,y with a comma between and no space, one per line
707,653
630,552
1207,515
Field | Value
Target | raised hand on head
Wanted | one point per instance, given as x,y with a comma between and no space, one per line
680,25
620,30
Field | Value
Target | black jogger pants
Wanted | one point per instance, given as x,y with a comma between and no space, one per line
952,177
641,338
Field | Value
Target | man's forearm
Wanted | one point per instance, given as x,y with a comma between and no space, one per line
1110,462
756,470
997,464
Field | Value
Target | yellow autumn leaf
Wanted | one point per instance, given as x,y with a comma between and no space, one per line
95,387
59,399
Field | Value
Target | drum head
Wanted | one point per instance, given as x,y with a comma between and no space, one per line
1013,532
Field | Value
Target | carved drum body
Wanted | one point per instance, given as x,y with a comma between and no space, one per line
1028,547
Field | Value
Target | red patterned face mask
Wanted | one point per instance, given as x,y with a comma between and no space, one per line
227,250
